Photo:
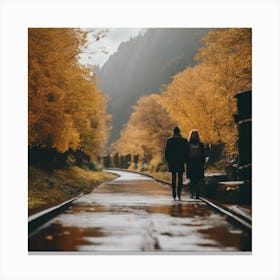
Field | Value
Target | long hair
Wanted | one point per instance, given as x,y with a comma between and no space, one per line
194,136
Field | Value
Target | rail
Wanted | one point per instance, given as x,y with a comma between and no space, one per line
242,221
37,220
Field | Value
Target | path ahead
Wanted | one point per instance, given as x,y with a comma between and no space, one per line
134,213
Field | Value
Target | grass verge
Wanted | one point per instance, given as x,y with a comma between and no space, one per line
46,190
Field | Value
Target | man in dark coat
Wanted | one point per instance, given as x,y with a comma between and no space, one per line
176,154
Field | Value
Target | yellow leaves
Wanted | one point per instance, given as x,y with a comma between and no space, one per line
62,96
65,135
229,51
147,130
200,97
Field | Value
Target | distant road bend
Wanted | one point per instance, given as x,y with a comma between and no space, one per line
134,214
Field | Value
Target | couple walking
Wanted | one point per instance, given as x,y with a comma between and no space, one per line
179,151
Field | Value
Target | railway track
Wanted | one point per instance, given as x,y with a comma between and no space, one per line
237,218
35,221
121,197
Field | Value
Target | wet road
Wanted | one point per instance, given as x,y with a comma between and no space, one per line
134,213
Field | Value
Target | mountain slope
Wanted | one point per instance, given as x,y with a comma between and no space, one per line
143,65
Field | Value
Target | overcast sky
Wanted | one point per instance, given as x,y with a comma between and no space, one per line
110,43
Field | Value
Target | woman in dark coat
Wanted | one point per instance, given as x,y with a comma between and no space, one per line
175,154
195,162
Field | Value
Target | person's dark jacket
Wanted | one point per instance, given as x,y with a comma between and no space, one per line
195,166
176,153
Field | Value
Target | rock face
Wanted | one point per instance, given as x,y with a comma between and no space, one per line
143,65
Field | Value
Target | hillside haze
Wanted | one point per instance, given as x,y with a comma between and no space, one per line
143,65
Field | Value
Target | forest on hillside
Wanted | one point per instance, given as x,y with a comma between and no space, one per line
200,97
143,65
162,78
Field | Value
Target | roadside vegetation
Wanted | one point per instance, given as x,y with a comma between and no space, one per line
159,169
67,114
45,190
68,123
201,96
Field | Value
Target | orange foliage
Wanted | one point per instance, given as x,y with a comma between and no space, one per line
202,96
147,130
65,110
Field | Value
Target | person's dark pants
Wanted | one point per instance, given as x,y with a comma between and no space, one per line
195,186
180,182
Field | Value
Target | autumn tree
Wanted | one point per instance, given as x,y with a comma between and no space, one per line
202,96
188,102
229,51
65,110
147,130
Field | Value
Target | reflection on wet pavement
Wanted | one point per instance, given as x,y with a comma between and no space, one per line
133,213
